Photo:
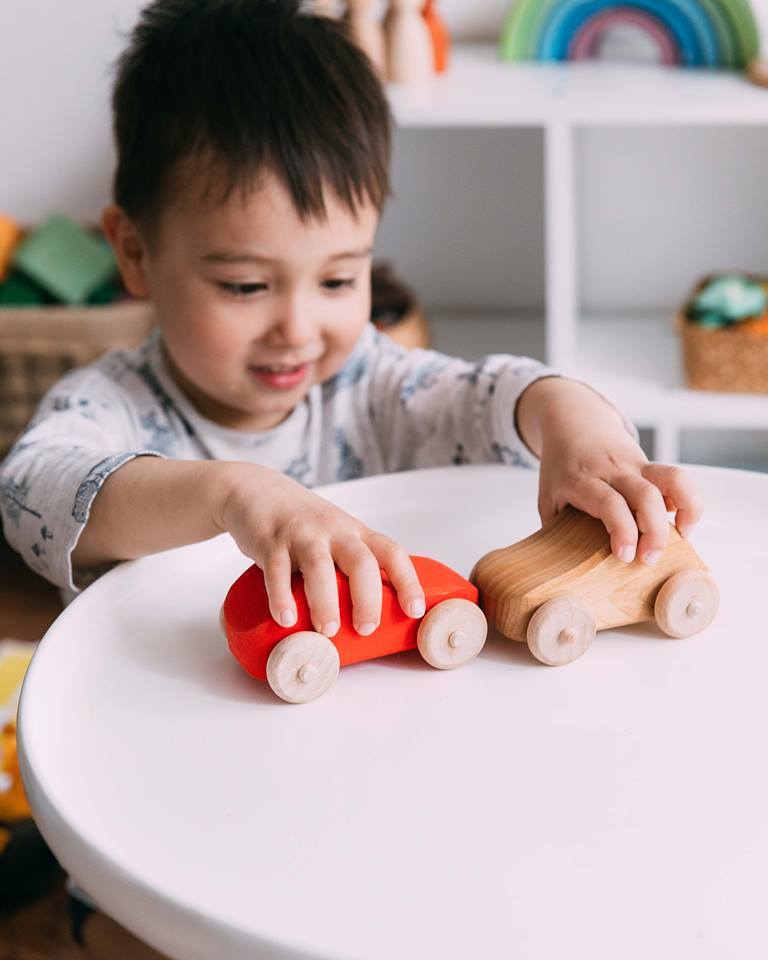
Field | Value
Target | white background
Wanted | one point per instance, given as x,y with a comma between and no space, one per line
662,208
657,209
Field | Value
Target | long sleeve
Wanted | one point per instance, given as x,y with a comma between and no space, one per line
428,409
82,431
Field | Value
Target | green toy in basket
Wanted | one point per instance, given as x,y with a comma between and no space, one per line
65,259
727,299
20,291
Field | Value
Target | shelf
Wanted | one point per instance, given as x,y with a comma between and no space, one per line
482,90
635,361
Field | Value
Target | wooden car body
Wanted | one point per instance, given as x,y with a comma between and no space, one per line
252,633
571,557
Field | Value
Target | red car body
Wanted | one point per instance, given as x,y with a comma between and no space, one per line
252,633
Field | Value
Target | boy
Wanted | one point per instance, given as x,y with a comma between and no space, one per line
253,150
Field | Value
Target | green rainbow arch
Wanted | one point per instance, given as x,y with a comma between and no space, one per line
704,33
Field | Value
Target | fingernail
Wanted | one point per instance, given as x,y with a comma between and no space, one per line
286,618
684,529
364,629
627,554
653,557
331,629
416,608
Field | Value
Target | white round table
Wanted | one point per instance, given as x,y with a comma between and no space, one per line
616,807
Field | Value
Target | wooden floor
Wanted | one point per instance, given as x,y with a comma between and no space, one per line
28,605
39,931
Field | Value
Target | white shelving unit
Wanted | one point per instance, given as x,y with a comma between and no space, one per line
635,359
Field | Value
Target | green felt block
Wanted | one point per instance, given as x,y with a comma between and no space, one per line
64,258
106,293
20,291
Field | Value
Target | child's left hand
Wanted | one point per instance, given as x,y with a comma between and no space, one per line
589,460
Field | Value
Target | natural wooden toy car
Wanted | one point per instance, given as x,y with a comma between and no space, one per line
300,664
557,587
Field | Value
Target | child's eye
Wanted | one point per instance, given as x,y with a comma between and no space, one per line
338,284
242,289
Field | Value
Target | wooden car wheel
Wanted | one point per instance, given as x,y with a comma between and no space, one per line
560,631
686,603
302,666
451,633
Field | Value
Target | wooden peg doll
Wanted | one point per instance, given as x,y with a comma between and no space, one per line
410,56
368,33
758,72
441,42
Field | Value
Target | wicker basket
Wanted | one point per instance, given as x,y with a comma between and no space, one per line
39,344
727,359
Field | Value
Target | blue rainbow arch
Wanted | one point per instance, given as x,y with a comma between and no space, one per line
705,33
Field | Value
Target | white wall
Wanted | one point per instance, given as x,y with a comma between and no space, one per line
466,227
55,58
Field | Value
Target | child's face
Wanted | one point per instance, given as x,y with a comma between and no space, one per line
255,306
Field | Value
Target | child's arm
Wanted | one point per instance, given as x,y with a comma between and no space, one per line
588,459
429,409
151,504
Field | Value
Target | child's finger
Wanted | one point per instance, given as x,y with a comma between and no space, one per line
320,585
679,491
600,500
277,579
395,560
359,564
647,503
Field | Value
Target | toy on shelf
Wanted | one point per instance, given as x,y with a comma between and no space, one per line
368,33
728,299
588,42
410,45
395,310
300,664
758,72
556,588
441,41
67,260
724,332
10,237
694,33
409,50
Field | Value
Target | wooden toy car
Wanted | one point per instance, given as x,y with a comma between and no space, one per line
554,589
300,664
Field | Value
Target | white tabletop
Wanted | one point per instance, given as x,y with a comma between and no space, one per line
616,807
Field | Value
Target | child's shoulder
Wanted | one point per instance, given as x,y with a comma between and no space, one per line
121,375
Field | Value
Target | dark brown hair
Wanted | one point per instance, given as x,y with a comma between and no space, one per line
247,87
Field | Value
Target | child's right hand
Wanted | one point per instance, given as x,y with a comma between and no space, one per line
285,527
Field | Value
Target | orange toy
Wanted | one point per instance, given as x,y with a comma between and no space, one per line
300,664
441,42
13,801
10,237
756,327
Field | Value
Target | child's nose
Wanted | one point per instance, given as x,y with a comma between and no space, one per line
292,323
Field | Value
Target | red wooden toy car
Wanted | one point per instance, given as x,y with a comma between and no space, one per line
300,664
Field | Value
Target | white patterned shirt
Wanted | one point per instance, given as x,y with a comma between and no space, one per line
387,409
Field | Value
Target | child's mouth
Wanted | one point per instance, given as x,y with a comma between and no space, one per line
279,377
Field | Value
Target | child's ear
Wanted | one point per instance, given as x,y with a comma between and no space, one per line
129,247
